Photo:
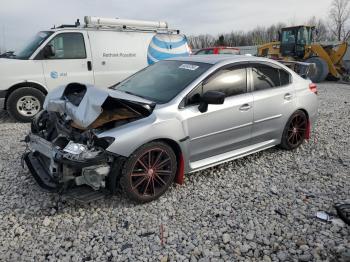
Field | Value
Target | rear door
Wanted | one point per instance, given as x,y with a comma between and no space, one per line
274,100
71,62
225,127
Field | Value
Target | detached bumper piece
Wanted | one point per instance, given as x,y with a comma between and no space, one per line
40,173
71,166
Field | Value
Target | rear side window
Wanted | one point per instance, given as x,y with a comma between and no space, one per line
284,77
267,77
229,81
68,46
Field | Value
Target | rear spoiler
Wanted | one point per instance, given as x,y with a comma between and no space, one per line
305,70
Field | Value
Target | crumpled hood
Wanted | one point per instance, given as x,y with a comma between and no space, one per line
83,103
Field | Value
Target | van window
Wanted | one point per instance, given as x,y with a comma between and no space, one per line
231,81
33,45
68,46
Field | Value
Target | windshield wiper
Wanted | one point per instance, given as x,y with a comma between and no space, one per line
131,93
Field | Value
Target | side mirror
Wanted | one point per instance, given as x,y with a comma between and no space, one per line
211,98
48,51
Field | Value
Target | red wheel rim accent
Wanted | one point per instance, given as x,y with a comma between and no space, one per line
151,172
296,130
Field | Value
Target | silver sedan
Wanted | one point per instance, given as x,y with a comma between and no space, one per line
172,118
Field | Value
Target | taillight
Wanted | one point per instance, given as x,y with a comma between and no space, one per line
313,88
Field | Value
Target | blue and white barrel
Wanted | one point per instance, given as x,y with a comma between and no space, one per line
165,46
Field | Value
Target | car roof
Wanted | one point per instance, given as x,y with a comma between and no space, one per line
215,59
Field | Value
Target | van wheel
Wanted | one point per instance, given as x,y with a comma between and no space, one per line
294,131
24,103
148,172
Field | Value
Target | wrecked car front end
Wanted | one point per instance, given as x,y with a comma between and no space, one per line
65,149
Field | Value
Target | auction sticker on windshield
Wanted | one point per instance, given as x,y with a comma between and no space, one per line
188,67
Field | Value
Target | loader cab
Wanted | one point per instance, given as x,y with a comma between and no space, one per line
295,39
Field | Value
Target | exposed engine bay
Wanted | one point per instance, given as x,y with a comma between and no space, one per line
65,150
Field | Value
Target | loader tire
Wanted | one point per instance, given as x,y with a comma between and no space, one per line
322,69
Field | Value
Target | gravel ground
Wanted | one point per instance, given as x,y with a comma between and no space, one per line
258,208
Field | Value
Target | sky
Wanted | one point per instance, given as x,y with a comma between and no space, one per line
21,19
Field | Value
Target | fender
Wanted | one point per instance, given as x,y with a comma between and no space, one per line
25,83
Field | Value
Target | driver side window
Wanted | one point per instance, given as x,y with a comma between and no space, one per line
193,98
68,46
230,81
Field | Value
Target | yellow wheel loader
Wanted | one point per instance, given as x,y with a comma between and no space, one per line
296,45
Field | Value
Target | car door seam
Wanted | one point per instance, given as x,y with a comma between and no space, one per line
267,118
222,131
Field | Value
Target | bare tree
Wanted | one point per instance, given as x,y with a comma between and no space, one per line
322,33
258,36
201,41
339,17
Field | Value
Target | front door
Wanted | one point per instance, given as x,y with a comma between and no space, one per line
223,128
71,61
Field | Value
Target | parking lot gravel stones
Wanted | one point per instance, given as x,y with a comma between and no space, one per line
258,208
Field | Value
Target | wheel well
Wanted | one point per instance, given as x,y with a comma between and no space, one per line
174,146
25,84
308,128
179,158
306,113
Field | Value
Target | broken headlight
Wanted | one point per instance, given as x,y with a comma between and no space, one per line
81,152
75,148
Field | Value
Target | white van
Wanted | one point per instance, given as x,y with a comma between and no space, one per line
102,52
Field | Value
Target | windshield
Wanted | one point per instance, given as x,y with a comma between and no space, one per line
288,37
163,80
33,45
304,36
300,36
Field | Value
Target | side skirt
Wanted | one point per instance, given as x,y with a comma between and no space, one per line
225,157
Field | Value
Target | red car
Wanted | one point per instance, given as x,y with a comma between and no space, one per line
218,50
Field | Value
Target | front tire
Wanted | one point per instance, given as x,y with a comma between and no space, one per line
149,172
295,130
24,103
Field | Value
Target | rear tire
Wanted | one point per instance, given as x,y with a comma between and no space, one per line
24,103
295,130
322,69
148,172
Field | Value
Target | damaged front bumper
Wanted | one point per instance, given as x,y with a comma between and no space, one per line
65,147
55,168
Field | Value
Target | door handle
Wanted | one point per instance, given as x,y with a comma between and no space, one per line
288,97
89,65
245,107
